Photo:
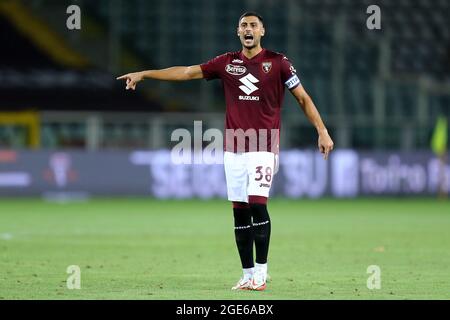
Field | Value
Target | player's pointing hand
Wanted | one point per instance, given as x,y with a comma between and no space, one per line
325,143
131,79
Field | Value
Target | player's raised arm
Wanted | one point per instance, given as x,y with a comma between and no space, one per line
168,74
325,143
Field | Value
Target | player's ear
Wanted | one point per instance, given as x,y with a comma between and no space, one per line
237,31
263,31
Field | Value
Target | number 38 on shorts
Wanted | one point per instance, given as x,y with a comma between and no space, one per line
249,174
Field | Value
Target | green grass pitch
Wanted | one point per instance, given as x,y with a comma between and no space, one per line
149,249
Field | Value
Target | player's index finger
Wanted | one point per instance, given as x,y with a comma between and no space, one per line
121,77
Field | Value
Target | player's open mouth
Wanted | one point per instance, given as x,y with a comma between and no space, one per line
248,37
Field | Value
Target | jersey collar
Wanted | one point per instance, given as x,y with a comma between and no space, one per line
255,58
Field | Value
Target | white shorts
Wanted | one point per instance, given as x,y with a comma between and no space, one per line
249,174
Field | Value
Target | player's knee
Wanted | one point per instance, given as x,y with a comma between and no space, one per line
242,216
259,212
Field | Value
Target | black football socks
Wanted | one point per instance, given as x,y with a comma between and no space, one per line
261,231
243,232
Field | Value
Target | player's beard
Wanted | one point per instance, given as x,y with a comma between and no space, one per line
252,46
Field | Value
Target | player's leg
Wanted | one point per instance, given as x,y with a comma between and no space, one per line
261,231
261,167
237,179
243,232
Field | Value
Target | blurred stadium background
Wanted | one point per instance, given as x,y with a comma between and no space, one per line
69,130
378,90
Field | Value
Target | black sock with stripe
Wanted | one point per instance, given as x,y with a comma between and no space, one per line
261,231
243,232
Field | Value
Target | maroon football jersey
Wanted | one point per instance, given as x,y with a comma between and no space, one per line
254,91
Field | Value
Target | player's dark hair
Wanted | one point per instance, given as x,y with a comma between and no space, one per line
251,14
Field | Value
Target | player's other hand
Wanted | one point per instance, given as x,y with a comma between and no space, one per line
131,79
325,143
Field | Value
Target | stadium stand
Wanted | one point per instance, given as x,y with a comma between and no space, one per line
365,82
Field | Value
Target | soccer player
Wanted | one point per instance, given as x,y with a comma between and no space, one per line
254,80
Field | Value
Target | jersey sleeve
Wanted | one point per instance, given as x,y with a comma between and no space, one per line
289,74
213,68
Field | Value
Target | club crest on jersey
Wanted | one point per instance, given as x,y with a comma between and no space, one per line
235,70
267,66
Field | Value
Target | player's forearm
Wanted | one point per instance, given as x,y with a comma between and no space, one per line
168,74
312,114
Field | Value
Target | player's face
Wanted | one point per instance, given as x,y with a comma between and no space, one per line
250,31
